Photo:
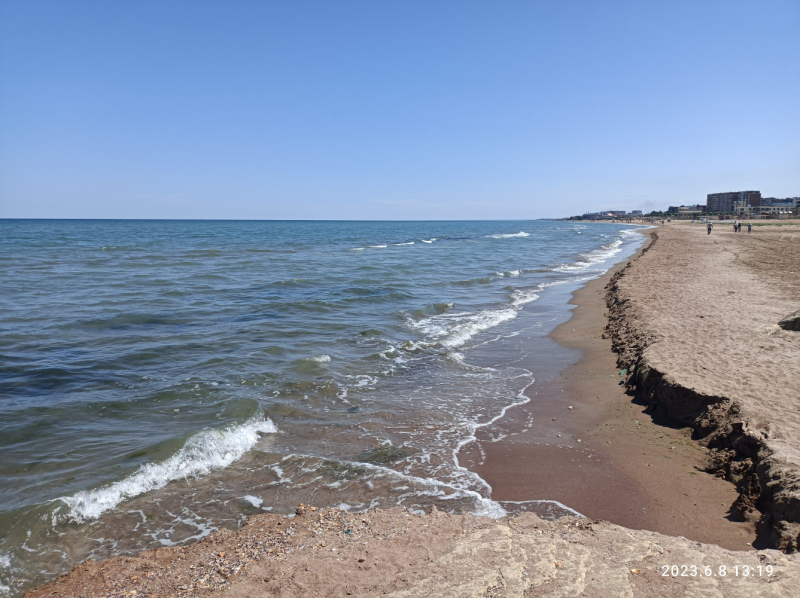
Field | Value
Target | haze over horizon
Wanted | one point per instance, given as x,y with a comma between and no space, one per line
412,111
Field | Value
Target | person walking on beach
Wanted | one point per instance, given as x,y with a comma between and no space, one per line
709,227
749,227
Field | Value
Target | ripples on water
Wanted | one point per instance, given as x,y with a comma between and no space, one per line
161,379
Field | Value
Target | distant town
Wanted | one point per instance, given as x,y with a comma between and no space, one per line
719,206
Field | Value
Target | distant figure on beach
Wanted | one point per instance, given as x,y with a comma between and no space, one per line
709,227
749,227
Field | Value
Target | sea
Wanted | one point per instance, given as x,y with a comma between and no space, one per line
160,380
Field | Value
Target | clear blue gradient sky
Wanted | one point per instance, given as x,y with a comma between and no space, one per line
392,110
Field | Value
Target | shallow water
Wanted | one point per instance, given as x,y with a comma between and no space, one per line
161,379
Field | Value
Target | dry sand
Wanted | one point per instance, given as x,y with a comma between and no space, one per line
695,319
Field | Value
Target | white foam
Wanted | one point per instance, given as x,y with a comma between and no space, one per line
409,243
453,330
356,249
254,500
520,399
509,235
428,240
204,452
522,296
4,590
593,257
321,358
378,246
560,505
436,488
363,380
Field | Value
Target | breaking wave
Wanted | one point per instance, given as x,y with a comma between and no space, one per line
453,330
593,257
203,453
509,235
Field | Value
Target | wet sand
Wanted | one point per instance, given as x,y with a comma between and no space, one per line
612,461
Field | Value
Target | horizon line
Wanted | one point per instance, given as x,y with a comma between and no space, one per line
284,219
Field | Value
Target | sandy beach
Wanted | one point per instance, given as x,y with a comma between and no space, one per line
694,320
703,310
676,435
593,448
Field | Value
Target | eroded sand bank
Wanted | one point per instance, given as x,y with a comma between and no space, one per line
694,320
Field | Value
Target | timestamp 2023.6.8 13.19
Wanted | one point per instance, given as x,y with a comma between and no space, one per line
716,571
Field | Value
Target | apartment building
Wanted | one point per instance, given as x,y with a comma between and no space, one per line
726,203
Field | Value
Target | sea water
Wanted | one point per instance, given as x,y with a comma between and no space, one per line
162,379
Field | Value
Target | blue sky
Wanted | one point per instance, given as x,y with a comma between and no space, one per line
392,110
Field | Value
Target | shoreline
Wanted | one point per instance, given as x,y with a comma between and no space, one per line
691,329
633,465
606,458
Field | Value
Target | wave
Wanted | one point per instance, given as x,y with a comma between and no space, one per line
203,453
356,249
321,358
434,309
509,235
471,281
377,246
593,257
409,243
428,240
453,330
522,296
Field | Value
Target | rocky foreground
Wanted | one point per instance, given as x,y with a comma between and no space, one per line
334,553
